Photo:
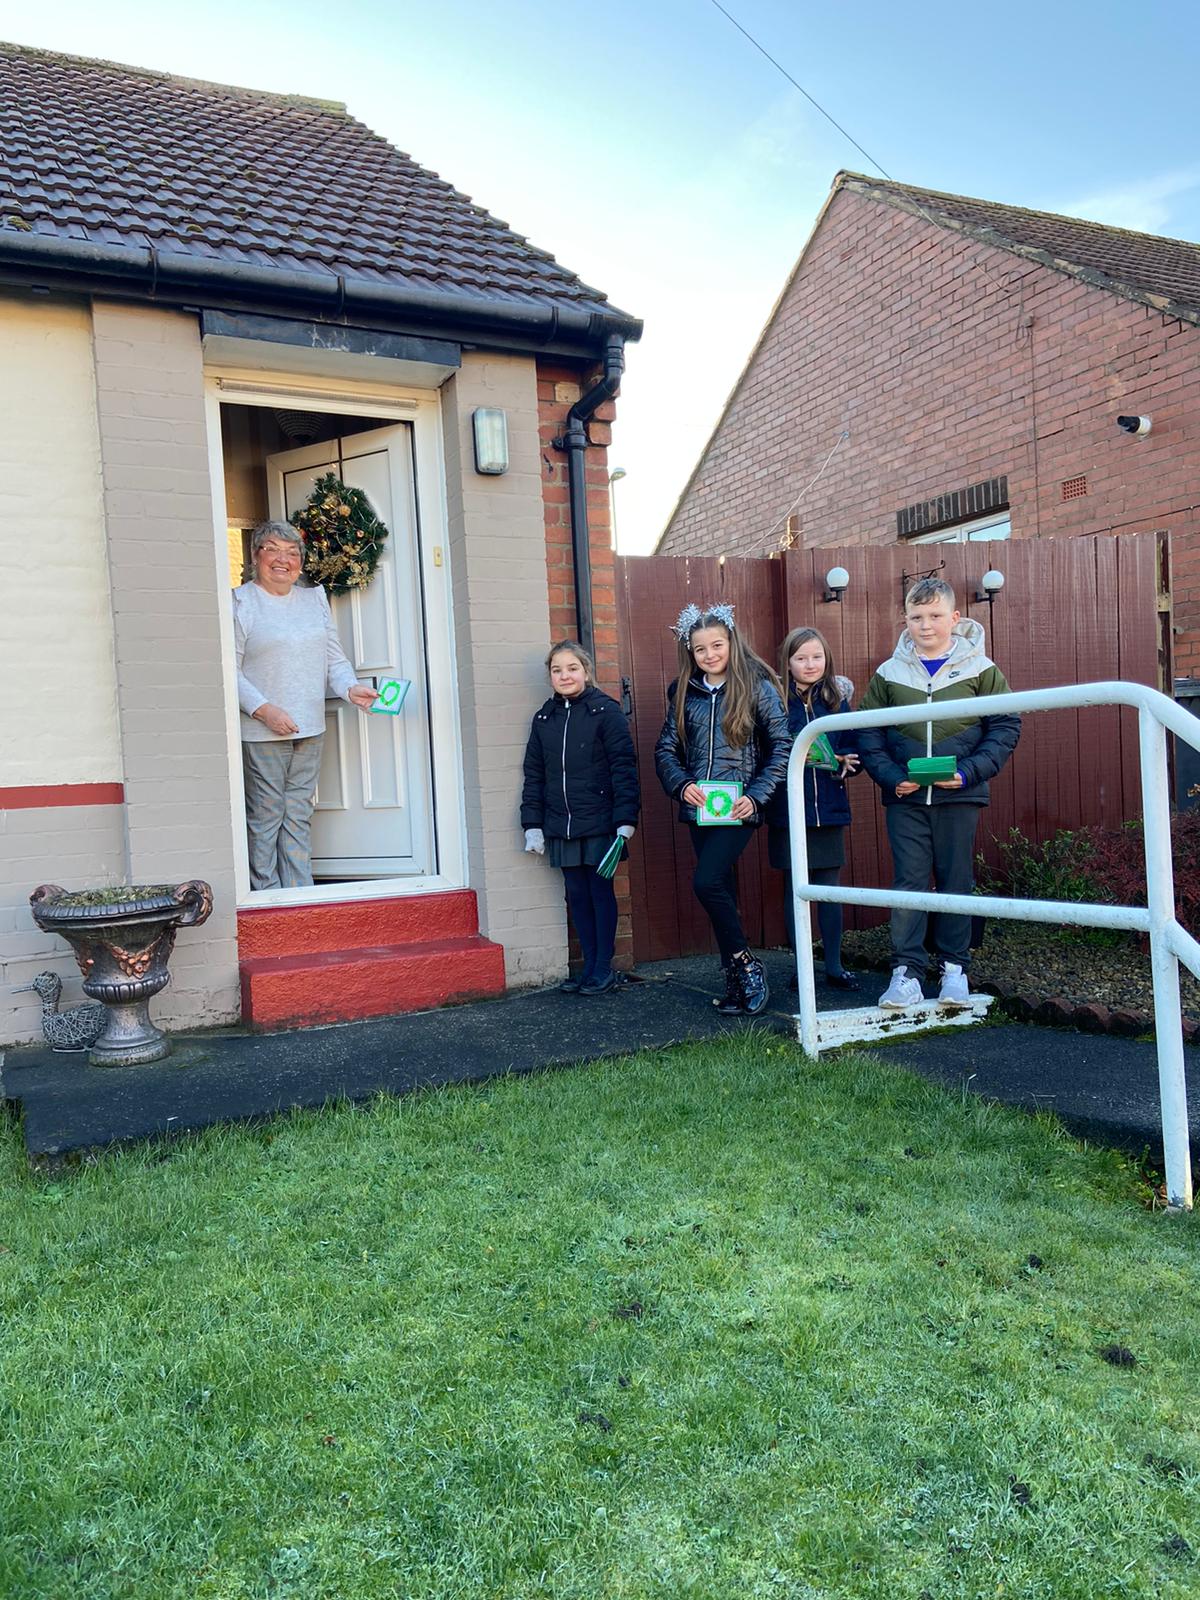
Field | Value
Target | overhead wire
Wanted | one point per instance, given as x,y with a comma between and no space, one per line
839,442
779,67
1004,285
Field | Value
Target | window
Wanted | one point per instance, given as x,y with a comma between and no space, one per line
995,527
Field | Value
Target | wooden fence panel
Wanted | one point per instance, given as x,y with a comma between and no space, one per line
1071,610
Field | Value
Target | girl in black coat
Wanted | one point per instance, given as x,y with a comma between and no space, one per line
725,723
581,792
815,690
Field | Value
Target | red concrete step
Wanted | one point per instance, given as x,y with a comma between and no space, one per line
357,924
296,991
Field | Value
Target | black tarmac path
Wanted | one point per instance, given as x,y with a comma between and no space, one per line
1103,1088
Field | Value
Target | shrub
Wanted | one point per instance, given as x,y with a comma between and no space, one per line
1058,868
1107,865
1119,863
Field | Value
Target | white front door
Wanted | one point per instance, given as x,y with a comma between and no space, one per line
374,806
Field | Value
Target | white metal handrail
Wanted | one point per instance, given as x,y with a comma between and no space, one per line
1170,943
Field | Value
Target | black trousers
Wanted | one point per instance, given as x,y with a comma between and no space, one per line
938,842
717,850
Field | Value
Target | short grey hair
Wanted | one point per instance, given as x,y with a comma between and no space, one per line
282,531
926,590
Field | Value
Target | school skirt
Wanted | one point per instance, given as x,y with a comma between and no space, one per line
826,848
588,852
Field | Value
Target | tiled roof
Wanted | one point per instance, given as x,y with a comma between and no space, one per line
1162,272
113,155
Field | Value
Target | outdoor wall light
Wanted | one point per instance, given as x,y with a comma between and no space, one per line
837,581
990,586
490,427
1139,427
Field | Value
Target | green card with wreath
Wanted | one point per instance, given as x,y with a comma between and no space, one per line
343,538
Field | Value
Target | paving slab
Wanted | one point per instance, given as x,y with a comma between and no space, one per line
1103,1088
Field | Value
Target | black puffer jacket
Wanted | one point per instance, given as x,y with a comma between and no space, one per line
580,770
758,765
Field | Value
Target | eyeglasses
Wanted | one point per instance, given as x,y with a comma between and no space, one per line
280,551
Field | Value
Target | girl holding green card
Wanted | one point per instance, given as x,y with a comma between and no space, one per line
580,802
815,690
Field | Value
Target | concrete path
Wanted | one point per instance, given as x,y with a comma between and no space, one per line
1103,1088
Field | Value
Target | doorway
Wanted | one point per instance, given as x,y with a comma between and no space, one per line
373,816
375,827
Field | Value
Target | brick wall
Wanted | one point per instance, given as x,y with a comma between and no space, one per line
162,562
76,846
950,362
502,631
559,387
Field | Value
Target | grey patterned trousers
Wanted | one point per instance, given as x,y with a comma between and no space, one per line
280,780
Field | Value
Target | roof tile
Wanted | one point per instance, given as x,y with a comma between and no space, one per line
1144,265
119,155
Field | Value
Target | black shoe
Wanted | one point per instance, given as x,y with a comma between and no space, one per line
570,986
591,986
752,977
730,1003
841,980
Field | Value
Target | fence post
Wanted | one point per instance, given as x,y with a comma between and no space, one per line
1164,964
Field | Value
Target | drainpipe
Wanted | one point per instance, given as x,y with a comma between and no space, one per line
574,441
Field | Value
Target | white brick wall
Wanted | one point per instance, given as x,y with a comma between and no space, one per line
57,635
71,845
502,633
170,688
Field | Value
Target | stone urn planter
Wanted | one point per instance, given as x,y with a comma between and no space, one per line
122,939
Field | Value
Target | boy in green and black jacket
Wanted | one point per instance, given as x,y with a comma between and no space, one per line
931,826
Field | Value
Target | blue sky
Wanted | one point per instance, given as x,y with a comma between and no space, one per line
657,154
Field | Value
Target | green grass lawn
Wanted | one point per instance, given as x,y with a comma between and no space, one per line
702,1322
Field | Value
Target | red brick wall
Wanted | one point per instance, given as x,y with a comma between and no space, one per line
951,362
559,386
558,389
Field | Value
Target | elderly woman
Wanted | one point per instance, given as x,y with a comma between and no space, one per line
288,657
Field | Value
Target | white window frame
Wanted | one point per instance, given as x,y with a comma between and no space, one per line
974,532
282,390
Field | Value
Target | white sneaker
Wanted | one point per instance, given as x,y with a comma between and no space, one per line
954,990
902,992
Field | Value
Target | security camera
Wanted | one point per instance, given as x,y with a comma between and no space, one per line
1138,426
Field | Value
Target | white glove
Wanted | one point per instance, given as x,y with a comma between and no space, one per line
535,840
627,830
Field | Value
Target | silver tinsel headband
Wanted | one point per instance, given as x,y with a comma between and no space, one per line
691,616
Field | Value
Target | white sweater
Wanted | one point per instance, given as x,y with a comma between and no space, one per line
288,654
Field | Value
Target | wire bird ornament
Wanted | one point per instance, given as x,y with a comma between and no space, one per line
75,1029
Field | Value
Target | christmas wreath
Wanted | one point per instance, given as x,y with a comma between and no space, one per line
343,538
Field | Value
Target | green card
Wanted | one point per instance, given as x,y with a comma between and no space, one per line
931,769
391,693
612,858
718,803
820,754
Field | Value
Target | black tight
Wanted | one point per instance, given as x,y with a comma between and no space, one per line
592,902
829,916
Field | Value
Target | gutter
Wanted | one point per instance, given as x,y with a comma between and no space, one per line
574,441
44,262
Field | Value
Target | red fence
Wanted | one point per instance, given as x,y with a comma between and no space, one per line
1071,611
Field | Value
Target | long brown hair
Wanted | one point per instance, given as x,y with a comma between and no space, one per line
828,686
746,671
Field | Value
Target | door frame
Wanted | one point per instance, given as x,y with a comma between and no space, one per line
356,399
